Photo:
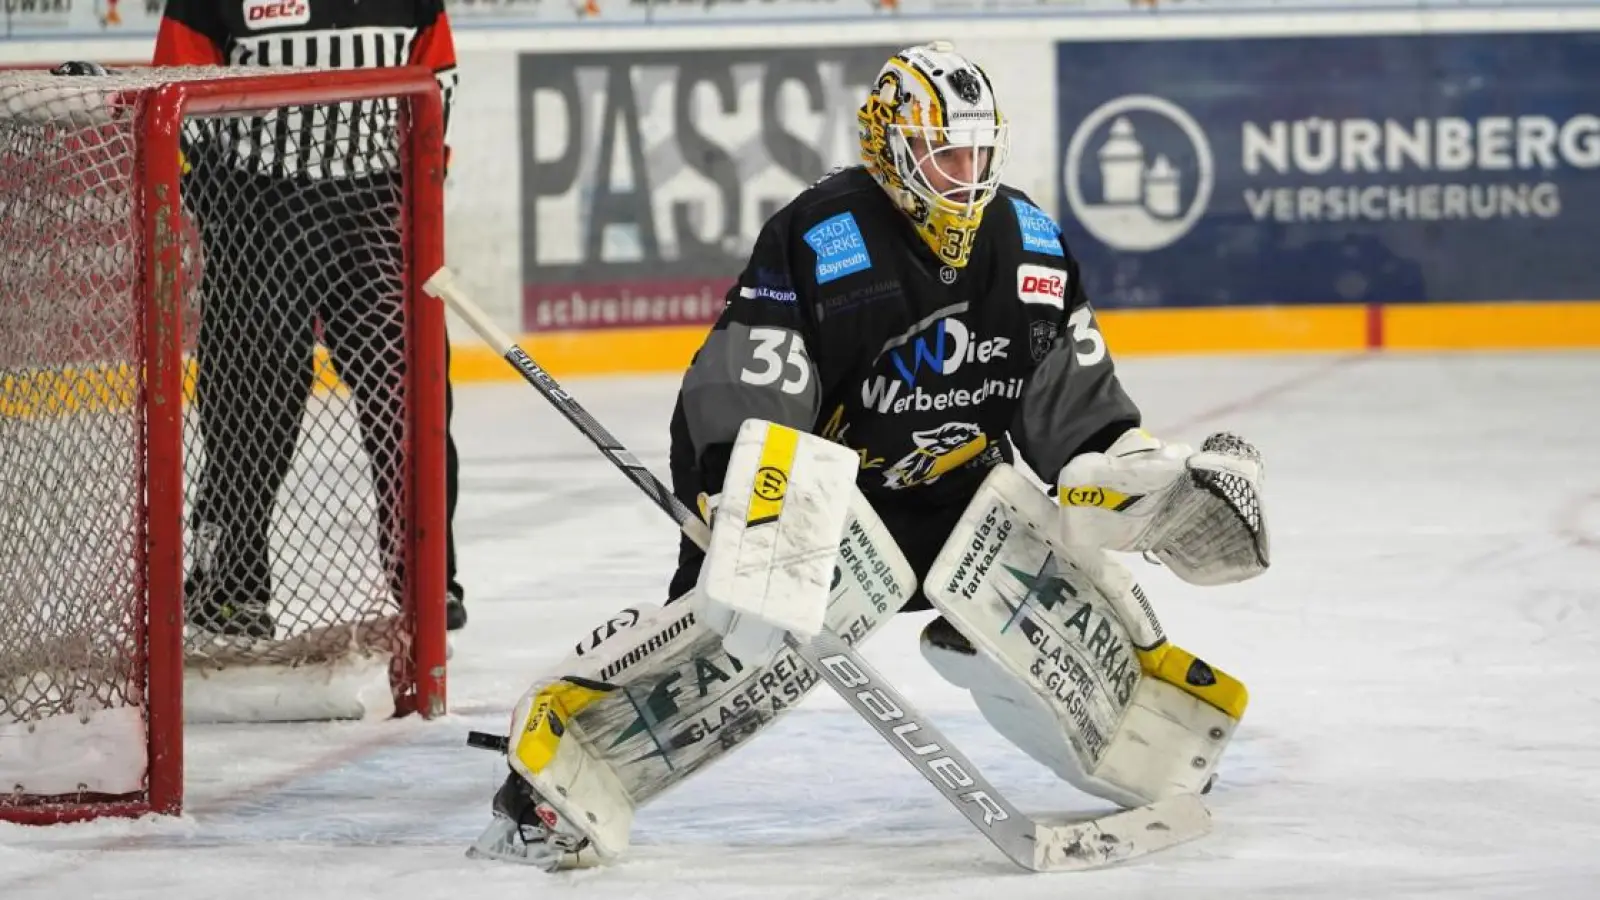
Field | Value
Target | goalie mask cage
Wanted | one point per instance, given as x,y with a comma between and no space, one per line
210,298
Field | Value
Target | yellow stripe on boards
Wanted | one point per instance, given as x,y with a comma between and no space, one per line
1428,327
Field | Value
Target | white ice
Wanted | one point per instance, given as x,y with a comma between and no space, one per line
1424,661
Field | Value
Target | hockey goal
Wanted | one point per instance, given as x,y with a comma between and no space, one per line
222,417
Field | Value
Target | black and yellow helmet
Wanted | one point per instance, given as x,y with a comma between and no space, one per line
933,137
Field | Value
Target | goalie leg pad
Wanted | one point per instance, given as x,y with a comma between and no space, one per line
1059,667
1011,708
1164,725
640,708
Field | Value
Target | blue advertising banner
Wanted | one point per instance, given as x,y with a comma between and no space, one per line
1384,169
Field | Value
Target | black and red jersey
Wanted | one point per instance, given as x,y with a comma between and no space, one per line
339,34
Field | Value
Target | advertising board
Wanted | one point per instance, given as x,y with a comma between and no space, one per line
646,176
1370,169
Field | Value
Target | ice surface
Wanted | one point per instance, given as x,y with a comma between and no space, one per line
1422,660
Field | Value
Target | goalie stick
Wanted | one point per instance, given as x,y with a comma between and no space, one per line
1035,844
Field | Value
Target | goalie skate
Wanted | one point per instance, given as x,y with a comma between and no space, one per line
527,829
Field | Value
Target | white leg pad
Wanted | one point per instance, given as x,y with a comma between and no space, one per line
1170,742
584,788
1022,718
1065,659
649,698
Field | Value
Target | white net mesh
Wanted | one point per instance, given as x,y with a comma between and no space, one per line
296,399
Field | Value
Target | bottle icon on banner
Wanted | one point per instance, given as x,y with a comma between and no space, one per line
1161,185
1142,204
1122,165
1124,178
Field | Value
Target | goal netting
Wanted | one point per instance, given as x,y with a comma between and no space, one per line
221,417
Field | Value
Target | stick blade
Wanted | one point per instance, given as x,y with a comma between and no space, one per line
1121,836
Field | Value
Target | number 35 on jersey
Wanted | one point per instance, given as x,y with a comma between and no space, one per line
777,355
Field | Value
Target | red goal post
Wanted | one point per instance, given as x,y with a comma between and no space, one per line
114,257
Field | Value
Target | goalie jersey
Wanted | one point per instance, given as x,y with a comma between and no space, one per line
845,325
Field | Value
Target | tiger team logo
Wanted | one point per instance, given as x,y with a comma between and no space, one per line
939,451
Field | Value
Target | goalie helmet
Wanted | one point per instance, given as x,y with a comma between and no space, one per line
933,138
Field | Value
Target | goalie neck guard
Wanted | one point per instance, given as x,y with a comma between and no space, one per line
932,136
